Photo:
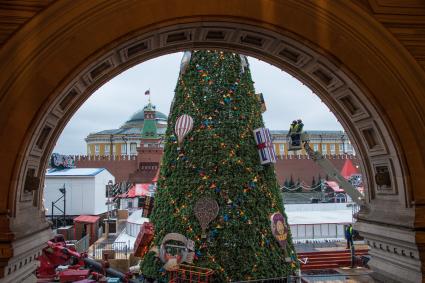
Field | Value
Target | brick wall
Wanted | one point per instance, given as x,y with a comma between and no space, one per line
119,166
304,168
297,166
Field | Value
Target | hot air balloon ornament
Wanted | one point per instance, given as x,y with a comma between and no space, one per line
184,125
206,210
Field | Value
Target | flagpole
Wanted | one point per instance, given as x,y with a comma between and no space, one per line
149,96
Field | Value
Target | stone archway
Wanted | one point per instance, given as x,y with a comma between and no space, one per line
358,68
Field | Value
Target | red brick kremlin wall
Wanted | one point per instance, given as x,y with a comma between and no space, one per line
119,166
304,168
299,166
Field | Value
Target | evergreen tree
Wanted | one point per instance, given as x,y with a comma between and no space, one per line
291,183
319,181
219,159
299,186
286,185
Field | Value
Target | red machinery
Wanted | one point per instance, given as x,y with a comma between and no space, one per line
73,275
56,253
76,266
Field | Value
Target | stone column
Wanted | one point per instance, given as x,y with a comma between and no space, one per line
20,249
389,232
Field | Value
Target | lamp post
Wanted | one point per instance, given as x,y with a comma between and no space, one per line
63,191
125,142
321,144
111,138
108,194
108,203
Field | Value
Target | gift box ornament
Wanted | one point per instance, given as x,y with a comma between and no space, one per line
143,240
265,146
262,102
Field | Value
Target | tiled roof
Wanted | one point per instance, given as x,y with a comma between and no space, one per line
87,219
110,132
128,131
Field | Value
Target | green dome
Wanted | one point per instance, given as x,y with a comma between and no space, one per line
140,116
137,119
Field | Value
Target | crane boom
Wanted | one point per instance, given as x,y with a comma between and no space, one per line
330,169
302,141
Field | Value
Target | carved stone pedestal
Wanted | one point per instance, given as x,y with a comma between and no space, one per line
20,249
393,250
22,265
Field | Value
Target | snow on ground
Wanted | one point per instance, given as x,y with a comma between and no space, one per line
321,213
134,222
126,238
318,213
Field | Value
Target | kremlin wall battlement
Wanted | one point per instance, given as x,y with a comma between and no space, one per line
84,158
119,166
326,156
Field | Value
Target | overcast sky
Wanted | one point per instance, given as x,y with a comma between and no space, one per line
109,107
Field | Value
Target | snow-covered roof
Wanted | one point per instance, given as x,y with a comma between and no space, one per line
83,172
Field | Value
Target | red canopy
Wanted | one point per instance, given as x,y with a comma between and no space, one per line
334,186
155,179
87,219
348,169
137,190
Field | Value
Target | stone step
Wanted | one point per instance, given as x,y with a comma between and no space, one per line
319,266
328,259
329,255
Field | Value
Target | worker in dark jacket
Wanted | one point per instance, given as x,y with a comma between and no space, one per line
349,236
293,128
300,126
295,131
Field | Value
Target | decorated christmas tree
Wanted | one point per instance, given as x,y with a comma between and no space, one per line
216,205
